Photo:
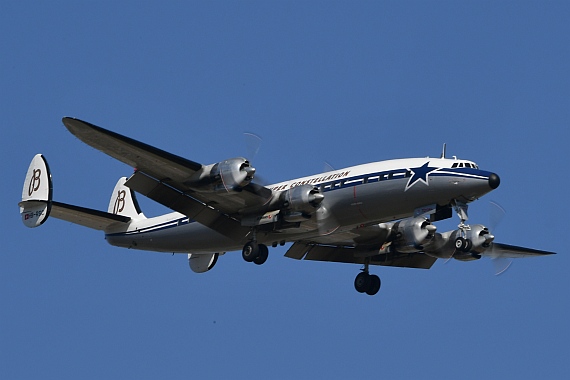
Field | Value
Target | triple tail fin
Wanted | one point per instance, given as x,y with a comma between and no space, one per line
124,201
37,204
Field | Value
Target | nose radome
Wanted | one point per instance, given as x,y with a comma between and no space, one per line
494,181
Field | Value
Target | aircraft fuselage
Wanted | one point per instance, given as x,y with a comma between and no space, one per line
356,196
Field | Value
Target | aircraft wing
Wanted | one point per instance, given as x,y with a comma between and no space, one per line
155,162
161,176
357,255
498,250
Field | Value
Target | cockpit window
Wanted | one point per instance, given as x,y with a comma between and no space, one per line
464,165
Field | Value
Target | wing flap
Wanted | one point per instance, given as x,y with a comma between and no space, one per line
341,254
187,205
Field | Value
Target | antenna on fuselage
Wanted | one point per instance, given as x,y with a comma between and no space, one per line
443,151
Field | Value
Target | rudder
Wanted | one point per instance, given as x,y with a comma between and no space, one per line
124,202
35,206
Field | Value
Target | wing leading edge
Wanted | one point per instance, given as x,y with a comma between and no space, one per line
163,177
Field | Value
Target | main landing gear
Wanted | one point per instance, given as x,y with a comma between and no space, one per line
366,282
255,252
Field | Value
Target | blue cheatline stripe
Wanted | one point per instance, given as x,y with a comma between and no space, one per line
155,227
387,175
399,174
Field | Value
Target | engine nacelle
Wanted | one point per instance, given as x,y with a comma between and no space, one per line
301,201
412,233
202,262
225,176
480,238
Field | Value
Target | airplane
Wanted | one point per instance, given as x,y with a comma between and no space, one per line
379,213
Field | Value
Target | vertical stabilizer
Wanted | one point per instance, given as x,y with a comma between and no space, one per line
124,202
36,193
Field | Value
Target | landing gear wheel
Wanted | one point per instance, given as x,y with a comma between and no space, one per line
250,251
374,285
262,255
468,245
362,282
460,243
463,245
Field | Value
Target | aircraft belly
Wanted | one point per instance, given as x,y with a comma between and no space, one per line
185,238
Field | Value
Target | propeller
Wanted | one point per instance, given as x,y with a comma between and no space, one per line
252,145
500,263
496,215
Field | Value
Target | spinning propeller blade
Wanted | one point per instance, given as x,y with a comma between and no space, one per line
496,215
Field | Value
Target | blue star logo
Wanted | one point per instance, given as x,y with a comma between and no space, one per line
420,175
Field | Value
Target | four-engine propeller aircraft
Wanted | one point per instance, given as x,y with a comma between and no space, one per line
380,213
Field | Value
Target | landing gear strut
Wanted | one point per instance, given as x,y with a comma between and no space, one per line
366,282
461,242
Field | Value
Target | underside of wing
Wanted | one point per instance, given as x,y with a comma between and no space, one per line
498,250
187,205
347,254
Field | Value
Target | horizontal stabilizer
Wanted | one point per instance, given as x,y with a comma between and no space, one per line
87,217
37,205
98,220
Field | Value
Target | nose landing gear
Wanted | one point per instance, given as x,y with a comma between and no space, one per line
462,244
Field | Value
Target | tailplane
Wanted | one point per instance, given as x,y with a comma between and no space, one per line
37,204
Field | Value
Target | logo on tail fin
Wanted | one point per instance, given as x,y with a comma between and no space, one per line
35,181
120,202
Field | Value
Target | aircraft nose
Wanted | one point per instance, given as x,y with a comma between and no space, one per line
494,181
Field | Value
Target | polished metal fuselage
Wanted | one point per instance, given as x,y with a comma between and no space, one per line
354,197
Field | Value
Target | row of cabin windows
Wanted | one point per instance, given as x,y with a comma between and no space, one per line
372,178
464,165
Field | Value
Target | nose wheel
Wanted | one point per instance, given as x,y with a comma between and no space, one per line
462,244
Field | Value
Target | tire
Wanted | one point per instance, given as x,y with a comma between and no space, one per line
374,285
362,282
250,251
468,245
262,255
460,244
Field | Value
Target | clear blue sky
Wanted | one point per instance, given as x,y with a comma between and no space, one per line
342,82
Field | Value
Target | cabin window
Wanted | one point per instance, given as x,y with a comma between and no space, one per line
454,165
374,178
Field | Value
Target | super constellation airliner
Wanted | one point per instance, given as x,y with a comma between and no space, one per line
380,213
